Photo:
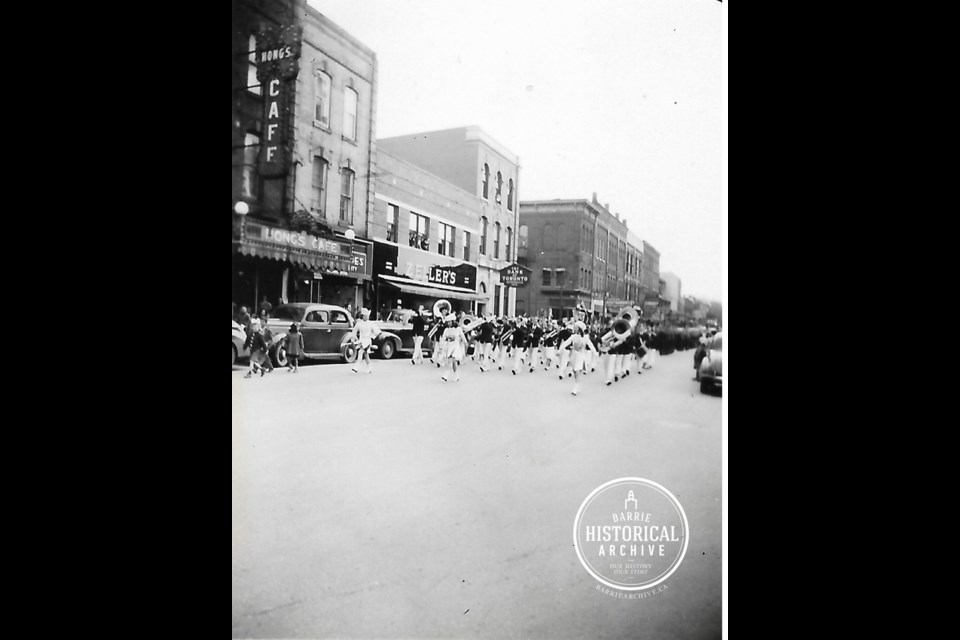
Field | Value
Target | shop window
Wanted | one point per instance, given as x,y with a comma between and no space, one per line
318,185
346,196
350,113
321,105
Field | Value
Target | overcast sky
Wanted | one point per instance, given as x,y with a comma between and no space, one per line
626,98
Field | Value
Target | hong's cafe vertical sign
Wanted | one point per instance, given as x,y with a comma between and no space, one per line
278,56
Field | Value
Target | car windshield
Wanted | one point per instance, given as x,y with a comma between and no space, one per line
287,314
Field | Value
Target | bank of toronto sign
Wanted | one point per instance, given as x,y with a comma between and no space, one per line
630,534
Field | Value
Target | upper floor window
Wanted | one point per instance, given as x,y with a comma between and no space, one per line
561,277
496,241
393,220
510,195
253,84
545,276
466,245
419,231
524,230
251,146
499,186
318,185
445,245
321,105
486,184
507,255
350,113
483,235
346,196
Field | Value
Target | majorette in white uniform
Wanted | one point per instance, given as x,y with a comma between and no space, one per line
578,344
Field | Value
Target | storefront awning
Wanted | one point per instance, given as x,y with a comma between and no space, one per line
430,290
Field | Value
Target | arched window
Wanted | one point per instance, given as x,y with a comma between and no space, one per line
496,241
321,105
486,184
350,113
510,195
346,196
499,186
483,235
318,185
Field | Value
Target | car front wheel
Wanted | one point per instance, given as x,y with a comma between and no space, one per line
279,356
349,353
387,349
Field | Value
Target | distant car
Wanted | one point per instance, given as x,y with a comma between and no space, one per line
397,334
327,332
239,338
711,367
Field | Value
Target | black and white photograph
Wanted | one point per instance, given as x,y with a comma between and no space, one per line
479,267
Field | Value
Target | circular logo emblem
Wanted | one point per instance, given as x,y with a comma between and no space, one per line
630,533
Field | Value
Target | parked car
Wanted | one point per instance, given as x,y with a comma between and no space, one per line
397,334
711,367
327,332
239,338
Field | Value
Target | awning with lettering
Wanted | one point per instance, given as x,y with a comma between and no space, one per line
305,258
431,290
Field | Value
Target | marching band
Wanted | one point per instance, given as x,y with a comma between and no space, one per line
570,346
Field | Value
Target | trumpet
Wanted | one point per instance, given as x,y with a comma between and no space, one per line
551,334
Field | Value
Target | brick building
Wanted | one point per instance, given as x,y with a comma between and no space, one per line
580,255
472,160
304,116
426,234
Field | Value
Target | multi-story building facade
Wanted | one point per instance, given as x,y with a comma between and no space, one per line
426,234
672,293
580,255
472,160
650,281
303,152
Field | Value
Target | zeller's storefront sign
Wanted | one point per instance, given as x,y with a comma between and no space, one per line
416,266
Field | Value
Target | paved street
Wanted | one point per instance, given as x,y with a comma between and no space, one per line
395,505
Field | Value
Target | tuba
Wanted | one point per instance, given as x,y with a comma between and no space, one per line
631,315
442,308
469,323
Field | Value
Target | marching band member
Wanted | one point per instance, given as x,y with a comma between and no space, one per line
455,346
550,345
612,344
533,343
437,343
419,330
519,342
485,341
364,331
565,332
507,329
589,355
650,337
578,344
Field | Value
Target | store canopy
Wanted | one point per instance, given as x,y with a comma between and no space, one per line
431,291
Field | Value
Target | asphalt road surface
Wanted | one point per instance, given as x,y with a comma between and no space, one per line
396,505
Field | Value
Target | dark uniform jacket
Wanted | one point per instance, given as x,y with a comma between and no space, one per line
419,325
